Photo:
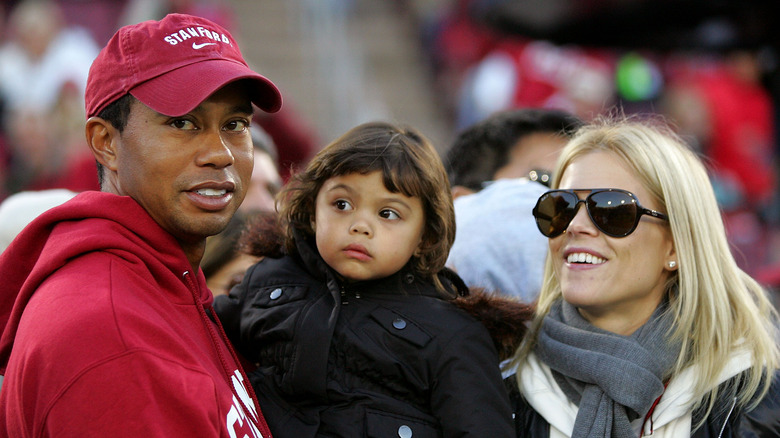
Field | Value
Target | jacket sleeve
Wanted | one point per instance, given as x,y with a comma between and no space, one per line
229,308
469,397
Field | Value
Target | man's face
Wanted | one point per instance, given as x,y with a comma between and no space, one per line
264,186
189,172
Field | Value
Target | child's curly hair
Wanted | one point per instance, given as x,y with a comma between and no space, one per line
409,165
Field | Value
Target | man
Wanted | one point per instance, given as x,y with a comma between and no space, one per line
266,181
108,328
493,166
508,144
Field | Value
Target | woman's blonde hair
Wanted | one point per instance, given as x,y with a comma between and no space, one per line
718,308
409,165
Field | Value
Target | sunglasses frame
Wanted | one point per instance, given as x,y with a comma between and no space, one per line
640,210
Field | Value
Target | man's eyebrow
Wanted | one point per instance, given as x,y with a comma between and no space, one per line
243,108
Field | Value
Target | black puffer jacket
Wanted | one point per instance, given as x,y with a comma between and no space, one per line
725,421
383,358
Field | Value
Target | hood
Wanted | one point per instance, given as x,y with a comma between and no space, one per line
505,317
92,221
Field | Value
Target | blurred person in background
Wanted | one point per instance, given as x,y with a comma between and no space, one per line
723,107
266,182
41,54
225,260
498,168
43,72
48,148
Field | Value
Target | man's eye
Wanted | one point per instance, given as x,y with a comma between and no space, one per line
343,205
389,214
237,125
183,124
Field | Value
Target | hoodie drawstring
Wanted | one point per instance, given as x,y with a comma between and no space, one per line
225,366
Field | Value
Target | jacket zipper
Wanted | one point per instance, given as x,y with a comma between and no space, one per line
345,297
726,420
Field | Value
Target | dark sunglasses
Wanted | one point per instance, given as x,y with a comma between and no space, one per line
615,212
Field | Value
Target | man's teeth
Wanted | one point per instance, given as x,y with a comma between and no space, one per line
211,192
582,257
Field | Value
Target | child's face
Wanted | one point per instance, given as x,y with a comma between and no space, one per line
363,230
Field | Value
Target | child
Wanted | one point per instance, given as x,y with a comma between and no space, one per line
351,325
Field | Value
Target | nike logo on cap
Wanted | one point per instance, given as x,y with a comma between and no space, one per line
197,46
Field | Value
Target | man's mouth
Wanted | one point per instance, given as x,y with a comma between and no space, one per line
211,192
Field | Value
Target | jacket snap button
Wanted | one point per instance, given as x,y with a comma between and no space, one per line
405,431
276,293
400,324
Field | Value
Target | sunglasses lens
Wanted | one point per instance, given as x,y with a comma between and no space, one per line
613,212
554,211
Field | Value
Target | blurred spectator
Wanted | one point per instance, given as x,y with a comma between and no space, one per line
265,182
21,208
47,146
496,245
295,141
520,73
508,144
455,41
224,262
218,11
40,55
721,104
43,70
99,17
734,124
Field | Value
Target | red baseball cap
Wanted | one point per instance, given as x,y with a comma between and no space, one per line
172,65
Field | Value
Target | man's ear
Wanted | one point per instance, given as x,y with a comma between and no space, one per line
101,139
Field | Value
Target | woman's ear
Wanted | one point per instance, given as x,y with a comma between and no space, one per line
671,263
101,139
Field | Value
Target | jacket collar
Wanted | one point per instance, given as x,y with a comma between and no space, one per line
404,280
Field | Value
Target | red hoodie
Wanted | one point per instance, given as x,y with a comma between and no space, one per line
105,332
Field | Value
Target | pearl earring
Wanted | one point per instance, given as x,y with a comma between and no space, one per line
672,264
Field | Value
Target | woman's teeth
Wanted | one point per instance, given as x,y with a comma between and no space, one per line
583,257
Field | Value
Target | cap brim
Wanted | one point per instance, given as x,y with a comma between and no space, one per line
179,91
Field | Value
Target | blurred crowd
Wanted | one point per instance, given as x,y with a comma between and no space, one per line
722,98
717,84
46,50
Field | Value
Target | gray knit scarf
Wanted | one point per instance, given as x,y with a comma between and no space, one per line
613,379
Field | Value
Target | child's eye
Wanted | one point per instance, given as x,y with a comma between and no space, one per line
341,204
389,214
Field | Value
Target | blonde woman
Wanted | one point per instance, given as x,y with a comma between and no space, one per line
645,325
